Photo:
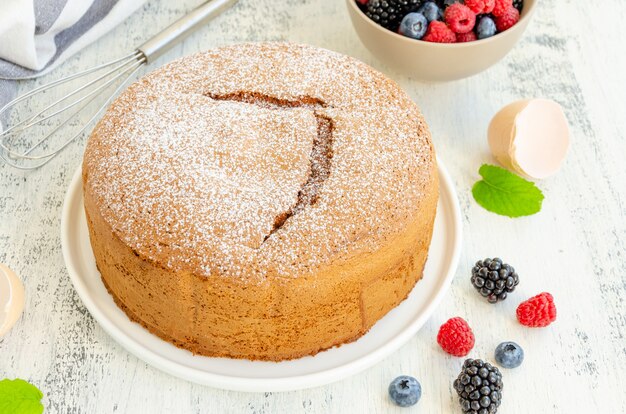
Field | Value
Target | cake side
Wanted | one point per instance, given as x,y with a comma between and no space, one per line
285,319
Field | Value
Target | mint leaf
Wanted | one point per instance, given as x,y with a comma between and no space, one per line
20,397
502,192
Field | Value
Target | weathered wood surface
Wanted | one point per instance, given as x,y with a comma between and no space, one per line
573,52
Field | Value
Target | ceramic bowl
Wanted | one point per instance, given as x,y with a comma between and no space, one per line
436,61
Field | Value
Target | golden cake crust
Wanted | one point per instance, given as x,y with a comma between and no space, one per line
260,201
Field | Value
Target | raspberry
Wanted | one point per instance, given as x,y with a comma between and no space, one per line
507,20
465,37
538,311
501,6
438,32
456,337
460,18
481,6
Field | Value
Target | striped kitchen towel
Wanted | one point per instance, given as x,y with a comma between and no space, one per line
37,35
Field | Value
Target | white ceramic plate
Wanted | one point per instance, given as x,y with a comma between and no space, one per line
385,337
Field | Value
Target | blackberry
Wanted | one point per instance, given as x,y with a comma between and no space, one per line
479,386
494,279
389,13
518,4
443,4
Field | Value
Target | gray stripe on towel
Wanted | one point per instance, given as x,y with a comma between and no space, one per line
46,13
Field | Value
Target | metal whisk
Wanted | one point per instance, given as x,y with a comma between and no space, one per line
25,152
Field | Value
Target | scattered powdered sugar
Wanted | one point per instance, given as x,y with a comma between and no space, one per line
259,160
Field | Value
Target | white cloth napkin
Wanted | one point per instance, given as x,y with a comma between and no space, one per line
37,35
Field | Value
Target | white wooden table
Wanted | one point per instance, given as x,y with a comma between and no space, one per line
573,52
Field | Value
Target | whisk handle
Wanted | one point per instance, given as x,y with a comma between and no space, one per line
182,28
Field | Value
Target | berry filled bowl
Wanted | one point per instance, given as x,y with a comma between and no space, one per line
440,40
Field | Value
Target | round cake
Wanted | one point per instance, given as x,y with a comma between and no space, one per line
260,201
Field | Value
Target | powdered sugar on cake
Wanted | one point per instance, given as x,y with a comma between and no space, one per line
190,177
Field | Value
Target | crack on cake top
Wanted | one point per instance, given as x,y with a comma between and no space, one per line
321,155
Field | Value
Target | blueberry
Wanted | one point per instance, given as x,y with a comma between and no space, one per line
485,28
405,391
413,25
431,11
509,355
